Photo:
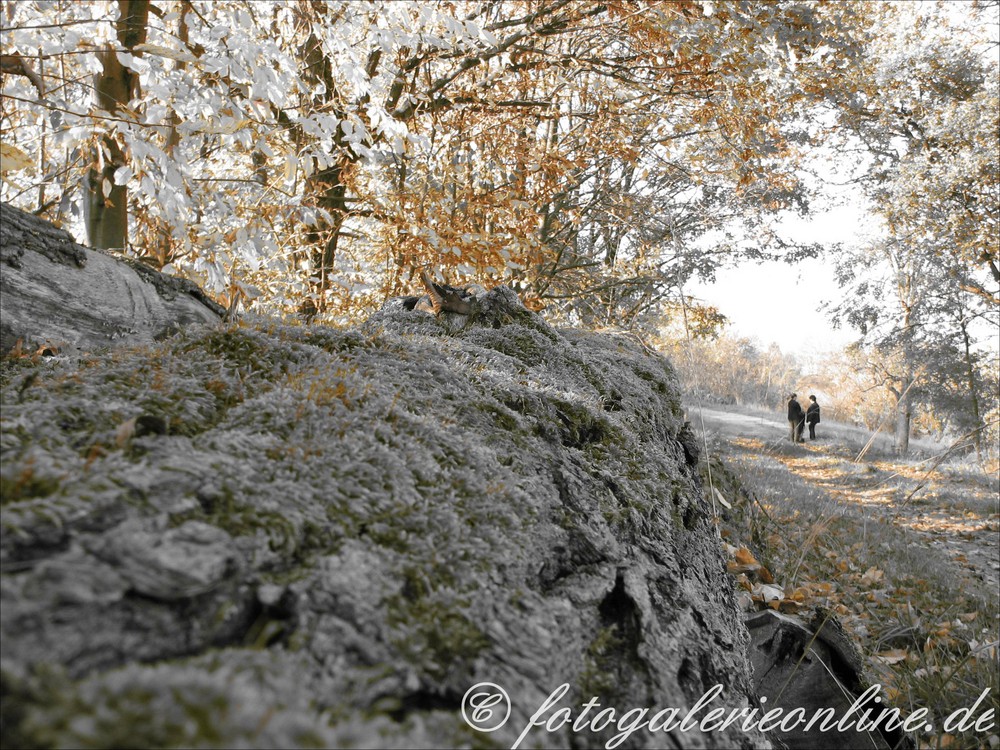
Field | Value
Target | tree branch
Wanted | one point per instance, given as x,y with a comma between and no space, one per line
14,64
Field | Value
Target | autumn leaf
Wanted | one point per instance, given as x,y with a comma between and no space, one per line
893,656
721,499
872,576
13,159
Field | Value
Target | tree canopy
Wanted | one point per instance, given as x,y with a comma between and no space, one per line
596,155
328,149
924,117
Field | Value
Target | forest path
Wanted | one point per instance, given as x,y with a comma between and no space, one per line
950,511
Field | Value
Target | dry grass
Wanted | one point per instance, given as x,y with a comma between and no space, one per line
903,553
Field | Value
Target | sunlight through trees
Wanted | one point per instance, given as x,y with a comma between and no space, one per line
595,155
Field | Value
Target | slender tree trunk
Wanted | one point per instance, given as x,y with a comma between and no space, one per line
106,204
330,194
903,415
162,246
970,374
325,188
904,400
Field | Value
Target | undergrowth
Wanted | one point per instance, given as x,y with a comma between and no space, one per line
927,627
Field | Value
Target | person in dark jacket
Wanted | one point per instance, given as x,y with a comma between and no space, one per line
812,417
796,419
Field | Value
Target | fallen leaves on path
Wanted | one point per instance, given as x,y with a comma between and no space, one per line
970,536
912,575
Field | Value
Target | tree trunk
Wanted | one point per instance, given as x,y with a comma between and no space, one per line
970,374
325,188
106,204
904,399
903,416
286,539
329,193
814,666
57,292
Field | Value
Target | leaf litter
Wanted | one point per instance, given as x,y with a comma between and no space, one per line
912,576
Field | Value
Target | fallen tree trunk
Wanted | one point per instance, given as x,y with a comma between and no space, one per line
56,292
302,536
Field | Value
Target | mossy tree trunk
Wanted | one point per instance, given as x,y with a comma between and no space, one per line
57,293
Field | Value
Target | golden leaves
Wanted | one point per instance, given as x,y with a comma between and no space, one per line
13,159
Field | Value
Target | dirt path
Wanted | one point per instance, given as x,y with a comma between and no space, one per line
952,511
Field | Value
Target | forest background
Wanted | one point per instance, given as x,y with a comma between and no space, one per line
311,158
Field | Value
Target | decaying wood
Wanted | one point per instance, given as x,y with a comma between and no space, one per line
327,536
813,667
57,292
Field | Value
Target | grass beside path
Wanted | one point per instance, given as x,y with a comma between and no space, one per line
906,556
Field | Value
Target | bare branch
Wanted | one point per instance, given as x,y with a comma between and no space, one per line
14,64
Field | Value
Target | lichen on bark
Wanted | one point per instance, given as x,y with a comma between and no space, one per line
324,537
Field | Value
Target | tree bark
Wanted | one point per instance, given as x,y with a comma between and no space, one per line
970,374
903,416
105,203
274,574
57,292
904,399
814,666
325,188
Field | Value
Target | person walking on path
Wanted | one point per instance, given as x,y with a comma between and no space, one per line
796,419
812,417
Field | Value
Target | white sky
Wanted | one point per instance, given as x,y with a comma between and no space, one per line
777,302
755,297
